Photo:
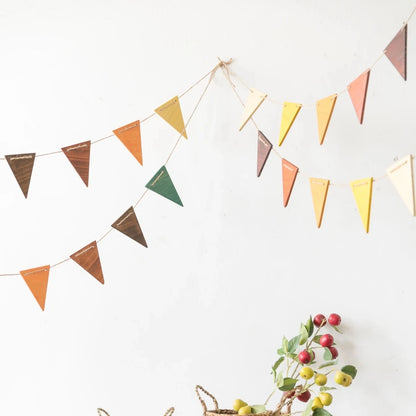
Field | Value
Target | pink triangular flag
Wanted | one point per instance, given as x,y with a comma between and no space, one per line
264,148
396,51
358,93
289,173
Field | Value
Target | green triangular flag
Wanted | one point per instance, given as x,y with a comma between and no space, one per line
162,184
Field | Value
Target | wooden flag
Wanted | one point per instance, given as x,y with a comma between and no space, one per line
254,101
130,136
319,189
324,109
358,93
264,148
89,259
37,281
396,51
401,175
162,184
289,173
290,111
22,166
362,190
129,225
79,156
172,113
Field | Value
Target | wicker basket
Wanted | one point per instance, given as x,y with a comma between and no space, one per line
169,412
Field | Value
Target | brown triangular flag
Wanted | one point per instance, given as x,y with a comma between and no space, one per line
22,166
37,281
130,136
89,259
396,51
79,156
129,225
264,148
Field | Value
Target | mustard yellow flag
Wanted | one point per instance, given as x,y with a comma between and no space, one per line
172,113
362,190
290,111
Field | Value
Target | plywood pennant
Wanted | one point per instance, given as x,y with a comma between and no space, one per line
254,101
289,173
362,190
37,281
396,51
290,111
172,113
264,148
22,166
401,175
129,225
319,189
162,184
358,94
79,156
89,259
130,136
324,109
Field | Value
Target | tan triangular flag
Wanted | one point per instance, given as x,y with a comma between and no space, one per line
324,109
37,281
254,101
362,190
401,175
319,189
130,136
290,111
172,113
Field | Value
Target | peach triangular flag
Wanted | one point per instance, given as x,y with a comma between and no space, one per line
290,111
319,189
401,175
324,109
289,173
130,136
172,113
362,190
396,51
254,100
358,93
37,281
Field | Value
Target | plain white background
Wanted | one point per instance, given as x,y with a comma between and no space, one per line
225,277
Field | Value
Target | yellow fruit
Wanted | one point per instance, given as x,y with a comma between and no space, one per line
238,404
326,398
348,380
245,410
317,404
321,379
306,373
341,378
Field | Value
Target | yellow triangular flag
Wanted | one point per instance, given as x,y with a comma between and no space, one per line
319,189
401,175
290,111
324,109
172,113
362,190
254,101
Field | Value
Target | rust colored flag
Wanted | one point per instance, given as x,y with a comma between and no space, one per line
89,259
130,136
37,281
79,156
289,173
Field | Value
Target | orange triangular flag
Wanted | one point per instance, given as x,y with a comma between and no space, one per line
319,189
79,156
324,109
89,259
362,190
358,93
172,113
254,101
130,136
290,111
289,172
37,281
396,51
22,166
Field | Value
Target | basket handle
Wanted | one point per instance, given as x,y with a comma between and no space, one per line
170,411
99,410
204,406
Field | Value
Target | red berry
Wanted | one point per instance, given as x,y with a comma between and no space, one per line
334,352
289,394
304,357
305,396
319,320
326,340
334,319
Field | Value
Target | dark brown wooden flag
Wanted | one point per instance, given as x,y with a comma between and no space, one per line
89,259
79,156
22,166
129,225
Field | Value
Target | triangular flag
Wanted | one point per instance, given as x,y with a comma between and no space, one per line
172,113
79,156
289,172
89,259
362,190
162,184
396,51
358,93
253,102
129,225
22,166
401,175
37,281
319,189
324,109
130,136
264,148
290,111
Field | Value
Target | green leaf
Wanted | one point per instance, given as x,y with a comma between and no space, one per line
328,364
303,336
258,408
327,354
293,344
321,412
279,379
309,326
285,345
293,357
280,351
288,384
308,408
337,329
277,363
316,339
349,369
325,388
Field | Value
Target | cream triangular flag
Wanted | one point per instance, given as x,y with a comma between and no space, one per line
362,190
401,175
324,109
254,101
172,113
290,111
319,189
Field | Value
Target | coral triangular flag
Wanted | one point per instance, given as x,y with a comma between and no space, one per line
324,109
172,113
79,156
89,259
319,189
396,51
37,281
264,148
130,136
362,190
22,166
254,101
358,93
162,184
289,173
401,175
129,225
290,111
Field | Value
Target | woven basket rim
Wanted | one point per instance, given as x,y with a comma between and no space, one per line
233,412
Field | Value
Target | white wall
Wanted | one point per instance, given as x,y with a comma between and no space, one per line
225,277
